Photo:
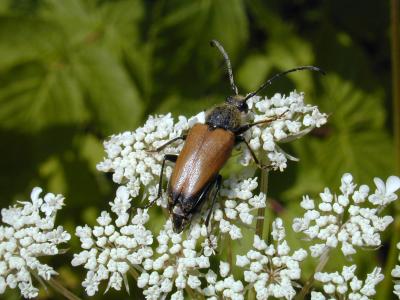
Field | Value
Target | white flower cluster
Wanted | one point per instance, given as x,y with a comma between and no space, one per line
29,233
180,266
236,206
112,247
130,162
347,218
177,264
295,119
346,285
396,275
271,271
135,167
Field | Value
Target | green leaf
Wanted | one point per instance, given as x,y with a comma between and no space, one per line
78,19
285,48
37,86
34,97
26,39
112,96
183,33
4,4
68,67
253,71
289,53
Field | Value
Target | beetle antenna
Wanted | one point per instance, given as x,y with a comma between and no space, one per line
215,43
269,81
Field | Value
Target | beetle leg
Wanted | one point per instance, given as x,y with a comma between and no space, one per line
171,158
183,137
246,127
217,184
203,195
240,139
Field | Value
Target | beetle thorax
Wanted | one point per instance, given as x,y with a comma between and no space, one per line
224,116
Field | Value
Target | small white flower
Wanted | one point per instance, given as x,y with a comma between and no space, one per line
193,282
307,203
242,260
223,269
385,193
317,296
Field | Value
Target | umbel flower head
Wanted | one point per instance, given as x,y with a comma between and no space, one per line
113,246
181,265
270,269
29,233
295,120
347,220
346,285
182,260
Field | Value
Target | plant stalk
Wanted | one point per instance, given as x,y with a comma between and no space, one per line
191,293
57,286
395,49
386,288
134,273
321,265
229,252
263,213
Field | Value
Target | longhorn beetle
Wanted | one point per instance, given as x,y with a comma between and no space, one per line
206,149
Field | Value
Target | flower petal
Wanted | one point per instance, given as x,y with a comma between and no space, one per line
380,185
35,193
392,184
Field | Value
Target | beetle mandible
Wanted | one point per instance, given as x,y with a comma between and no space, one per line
206,149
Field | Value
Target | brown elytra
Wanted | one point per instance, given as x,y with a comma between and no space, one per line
204,153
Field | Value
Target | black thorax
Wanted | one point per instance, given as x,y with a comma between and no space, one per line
224,116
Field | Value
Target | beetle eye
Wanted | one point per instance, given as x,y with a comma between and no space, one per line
243,107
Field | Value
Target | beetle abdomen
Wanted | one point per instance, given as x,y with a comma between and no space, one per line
203,155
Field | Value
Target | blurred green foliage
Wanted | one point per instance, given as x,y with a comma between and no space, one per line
73,72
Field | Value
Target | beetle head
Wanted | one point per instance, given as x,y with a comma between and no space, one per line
239,102
180,219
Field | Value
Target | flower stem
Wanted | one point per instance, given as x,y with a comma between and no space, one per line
134,273
191,293
263,213
229,252
386,287
395,6
321,265
57,286
251,294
